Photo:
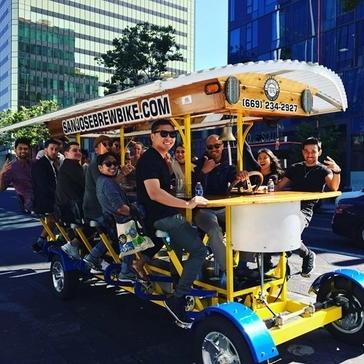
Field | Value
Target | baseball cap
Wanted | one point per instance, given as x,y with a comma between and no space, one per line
100,139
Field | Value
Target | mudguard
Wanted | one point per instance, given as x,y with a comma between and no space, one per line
351,274
68,263
249,324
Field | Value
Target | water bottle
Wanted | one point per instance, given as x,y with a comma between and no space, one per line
270,185
198,189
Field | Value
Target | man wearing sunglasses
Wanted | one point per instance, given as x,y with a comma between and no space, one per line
91,207
153,185
215,174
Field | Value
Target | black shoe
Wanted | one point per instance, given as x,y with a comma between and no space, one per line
246,273
176,306
37,248
308,264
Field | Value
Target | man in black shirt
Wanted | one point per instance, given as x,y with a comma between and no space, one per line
70,187
153,185
44,178
310,176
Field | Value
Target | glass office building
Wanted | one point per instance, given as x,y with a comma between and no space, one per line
311,31
48,47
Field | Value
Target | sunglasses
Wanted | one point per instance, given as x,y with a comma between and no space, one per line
107,144
213,146
111,163
165,133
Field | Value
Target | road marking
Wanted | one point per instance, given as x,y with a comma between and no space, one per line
340,252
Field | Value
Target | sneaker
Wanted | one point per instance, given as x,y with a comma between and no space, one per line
38,245
246,273
37,248
72,251
308,264
93,262
129,277
104,264
176,306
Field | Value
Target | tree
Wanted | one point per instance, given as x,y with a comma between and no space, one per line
349,5
322,127
36,132
139,56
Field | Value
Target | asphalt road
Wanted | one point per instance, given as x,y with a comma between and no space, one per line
104,324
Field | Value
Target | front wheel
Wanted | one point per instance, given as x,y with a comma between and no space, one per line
64,283
350,296
219,341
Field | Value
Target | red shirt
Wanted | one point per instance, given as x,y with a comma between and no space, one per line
19,176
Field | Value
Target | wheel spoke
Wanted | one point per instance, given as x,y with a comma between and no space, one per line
220,349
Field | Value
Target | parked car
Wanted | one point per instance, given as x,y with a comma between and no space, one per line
350,194
348,219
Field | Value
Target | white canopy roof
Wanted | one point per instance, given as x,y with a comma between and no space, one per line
331,96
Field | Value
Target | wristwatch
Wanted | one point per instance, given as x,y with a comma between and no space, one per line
336,172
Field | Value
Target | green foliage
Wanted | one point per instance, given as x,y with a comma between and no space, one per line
36,132
322,127
349,5
140,56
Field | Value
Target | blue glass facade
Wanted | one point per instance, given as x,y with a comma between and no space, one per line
5,46
311,31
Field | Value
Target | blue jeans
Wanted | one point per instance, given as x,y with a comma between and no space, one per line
184,236
212,222
305,219
99,250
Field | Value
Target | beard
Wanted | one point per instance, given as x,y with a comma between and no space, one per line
52,158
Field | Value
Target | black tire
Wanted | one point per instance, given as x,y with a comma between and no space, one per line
350,296
219,341
359,235
64,283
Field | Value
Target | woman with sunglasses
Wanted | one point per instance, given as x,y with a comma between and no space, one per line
114,201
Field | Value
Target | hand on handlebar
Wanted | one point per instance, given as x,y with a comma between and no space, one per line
242,176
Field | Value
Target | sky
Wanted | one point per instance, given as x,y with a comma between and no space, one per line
211,33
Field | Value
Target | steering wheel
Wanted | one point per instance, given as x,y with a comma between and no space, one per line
249,186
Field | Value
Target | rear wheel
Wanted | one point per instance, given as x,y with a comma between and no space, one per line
219,341
64,283
350,296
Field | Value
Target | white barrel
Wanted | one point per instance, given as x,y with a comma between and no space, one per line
266,228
